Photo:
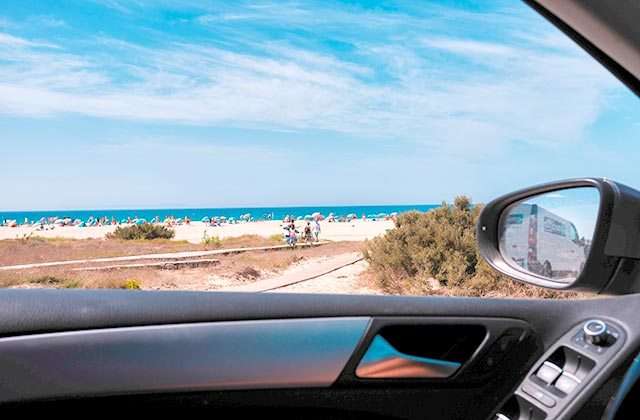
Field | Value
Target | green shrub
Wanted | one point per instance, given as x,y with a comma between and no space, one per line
277,238
46,280
433,249
131,284
214,241
56,281
146,231
71,284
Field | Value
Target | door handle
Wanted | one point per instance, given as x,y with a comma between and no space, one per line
383,361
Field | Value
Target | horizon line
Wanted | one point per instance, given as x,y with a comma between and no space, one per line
217,208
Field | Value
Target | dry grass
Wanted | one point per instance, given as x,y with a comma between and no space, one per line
59,249
510,289
37,249
246,241
232,269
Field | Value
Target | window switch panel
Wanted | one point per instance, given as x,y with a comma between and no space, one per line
548,372
567,383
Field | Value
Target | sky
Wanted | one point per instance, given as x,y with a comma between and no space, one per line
578,205
110,104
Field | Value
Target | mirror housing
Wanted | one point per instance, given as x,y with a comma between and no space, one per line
612,265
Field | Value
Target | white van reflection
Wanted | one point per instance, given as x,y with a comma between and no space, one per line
543,243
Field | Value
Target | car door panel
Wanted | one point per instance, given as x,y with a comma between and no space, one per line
421,327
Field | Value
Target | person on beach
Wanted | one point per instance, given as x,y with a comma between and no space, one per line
307,232
292,238
187,221
316,230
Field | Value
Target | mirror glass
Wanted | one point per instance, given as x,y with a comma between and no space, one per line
550,234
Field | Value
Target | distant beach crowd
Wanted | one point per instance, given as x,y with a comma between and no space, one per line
48,223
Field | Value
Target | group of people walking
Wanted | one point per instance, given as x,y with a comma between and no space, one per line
310,234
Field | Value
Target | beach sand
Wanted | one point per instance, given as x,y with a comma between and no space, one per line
356,230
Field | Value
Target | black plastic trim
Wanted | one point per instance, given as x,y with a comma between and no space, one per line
610,64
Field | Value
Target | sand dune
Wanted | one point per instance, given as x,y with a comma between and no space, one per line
356,230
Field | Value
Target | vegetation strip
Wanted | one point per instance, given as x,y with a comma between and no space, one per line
167,265
164,256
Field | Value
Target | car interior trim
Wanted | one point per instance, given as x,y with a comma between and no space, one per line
295,353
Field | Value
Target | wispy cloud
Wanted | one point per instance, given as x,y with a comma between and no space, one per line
452,93
6,23
49,21
10,42
122,6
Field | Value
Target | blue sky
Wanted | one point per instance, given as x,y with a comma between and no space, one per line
141,103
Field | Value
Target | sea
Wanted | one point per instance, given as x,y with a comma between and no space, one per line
257,213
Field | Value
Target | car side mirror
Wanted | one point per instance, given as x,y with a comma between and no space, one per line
581,234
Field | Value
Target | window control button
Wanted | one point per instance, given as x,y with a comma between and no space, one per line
538,395
548,372
567,382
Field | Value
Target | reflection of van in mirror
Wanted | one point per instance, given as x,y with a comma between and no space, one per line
542,242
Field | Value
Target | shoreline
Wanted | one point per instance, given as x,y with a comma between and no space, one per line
356,230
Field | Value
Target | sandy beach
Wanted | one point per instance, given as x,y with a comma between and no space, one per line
357,230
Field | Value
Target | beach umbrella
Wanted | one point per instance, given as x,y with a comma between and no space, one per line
246,216
317,216
352,216
308,217
123,221
231,219
394,214
141,221
382,215
82,224
372,216
205,220
299,218
59,222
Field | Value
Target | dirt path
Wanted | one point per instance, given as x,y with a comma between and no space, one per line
300,274
346,280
